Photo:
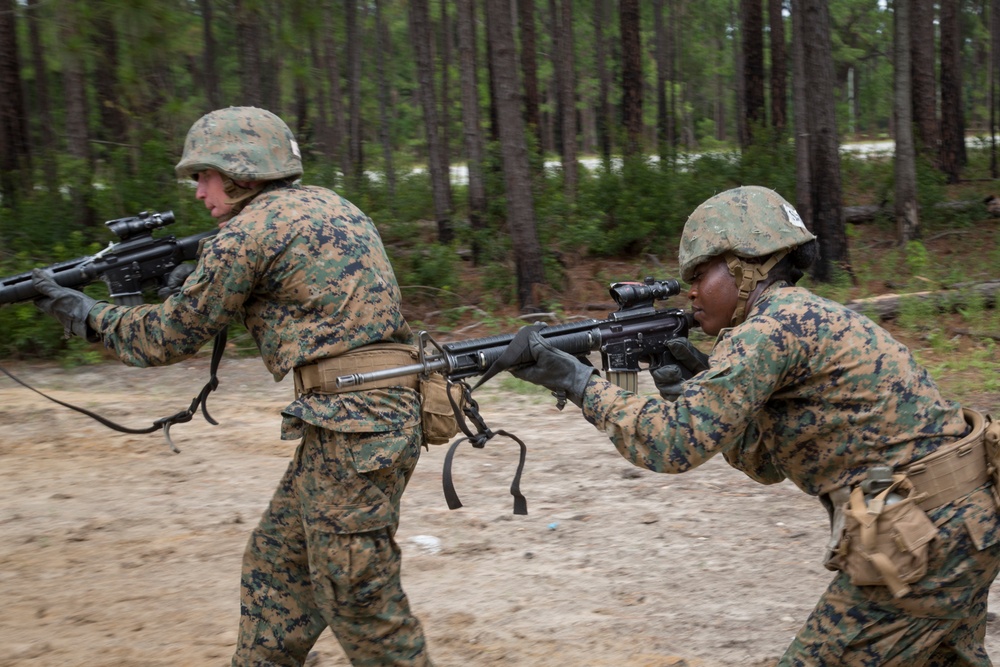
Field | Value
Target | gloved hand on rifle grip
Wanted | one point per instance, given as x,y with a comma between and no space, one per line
176,280
682,361
559,372
69,306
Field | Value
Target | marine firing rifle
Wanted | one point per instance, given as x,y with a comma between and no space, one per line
630,338
136,261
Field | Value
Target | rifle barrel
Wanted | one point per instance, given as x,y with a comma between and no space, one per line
358,379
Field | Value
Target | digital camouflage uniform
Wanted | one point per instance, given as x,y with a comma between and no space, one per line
307,274
808,390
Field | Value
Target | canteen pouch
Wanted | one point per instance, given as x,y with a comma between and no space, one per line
436,412
885,545
991,440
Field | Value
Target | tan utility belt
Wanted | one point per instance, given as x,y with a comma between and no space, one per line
321,377
949,473
953,471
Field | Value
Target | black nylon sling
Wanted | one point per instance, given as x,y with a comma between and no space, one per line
478,438
164,423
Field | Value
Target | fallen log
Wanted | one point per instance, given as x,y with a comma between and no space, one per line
887,306
858,215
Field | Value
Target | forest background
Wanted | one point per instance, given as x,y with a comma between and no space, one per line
519,155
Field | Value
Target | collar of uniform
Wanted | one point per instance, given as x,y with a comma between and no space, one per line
757,306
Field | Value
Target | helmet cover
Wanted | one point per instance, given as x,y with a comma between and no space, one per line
243,143
748,221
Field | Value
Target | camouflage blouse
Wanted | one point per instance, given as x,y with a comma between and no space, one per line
805,389
306,272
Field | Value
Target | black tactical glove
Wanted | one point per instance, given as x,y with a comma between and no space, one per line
683,361
561,373
69,306
176,280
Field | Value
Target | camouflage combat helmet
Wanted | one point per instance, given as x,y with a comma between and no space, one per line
745,223
243,143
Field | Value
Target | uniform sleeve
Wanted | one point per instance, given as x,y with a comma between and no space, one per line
155,335
753,456
715,412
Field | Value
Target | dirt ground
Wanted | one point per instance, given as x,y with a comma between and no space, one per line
116,552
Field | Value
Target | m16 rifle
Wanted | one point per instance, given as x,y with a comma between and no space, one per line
630,338
136,261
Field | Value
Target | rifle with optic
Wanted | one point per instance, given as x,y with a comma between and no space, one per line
633,336
629,338
135,262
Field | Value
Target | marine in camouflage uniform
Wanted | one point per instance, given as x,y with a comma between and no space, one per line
799,387
307,274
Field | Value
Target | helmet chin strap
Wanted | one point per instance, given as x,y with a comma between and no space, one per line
238,195
748,275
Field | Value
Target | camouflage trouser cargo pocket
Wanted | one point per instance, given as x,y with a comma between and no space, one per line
353,482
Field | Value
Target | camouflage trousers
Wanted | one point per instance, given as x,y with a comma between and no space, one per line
324,555
941,623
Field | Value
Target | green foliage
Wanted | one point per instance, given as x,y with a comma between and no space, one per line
917,257
431,265
27,332
770,162
628,211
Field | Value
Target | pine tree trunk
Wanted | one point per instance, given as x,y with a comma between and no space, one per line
922,79
529,66
514,152
823,141
338,130
753,67
354,78
800,105
445,31
631,75
994,75
567,94
603,111
109,99
420,32
77,123
905,163
660,41
210,76
779,67
472,130
43,105
15,144
385,116
248,39
952,141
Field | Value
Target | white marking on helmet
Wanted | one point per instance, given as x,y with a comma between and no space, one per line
793,216
295,149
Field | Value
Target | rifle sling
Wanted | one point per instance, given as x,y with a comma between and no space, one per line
199,401
510,357
451,496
